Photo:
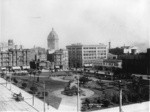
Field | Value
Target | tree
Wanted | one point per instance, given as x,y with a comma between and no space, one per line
115,98
99,100
34,89
7,78
34,73
15,80
83,80
87,102
3,74
46,93
30,72
24,85
38,78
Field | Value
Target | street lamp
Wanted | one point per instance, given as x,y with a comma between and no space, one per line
78,94
120,95
44,97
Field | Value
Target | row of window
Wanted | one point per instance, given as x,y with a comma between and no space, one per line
102,57
94,47
99,54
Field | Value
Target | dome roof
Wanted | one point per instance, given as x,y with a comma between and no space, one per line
53,35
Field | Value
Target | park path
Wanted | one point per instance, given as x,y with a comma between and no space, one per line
69,103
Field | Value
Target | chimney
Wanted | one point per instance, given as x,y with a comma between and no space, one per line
109,45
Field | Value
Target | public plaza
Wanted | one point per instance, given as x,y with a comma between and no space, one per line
68,103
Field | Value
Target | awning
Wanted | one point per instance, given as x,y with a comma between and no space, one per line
57,67
26,67
4,68
16,68
87,65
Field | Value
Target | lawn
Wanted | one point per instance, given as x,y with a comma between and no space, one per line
106,93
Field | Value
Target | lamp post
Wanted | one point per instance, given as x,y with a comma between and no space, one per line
44,97
10,80
78,94
120,96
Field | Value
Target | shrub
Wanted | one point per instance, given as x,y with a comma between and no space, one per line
99,100
24,85
15,80
106,103
7,78
115,99
2,75
87,101
46,93
34,89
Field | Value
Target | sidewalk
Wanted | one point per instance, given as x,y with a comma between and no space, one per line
38,104
7,103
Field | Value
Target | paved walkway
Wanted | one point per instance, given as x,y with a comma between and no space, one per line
69,103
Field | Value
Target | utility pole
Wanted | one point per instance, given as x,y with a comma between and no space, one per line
6,78
44,96
120,96
78,94
33,99
10,80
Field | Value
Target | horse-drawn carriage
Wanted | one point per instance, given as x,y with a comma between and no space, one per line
18,97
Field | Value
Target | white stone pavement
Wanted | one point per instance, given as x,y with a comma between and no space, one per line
69,103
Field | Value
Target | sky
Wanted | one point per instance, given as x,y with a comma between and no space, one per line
123,22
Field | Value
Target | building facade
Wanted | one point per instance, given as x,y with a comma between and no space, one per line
130,50
137,64
10,44
53,41
108,63
59,59
14,57
3,46
85,55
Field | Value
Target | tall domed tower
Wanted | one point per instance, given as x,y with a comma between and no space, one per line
52,41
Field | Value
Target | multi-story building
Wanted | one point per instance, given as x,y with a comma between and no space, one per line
85,55
59,59
3,46
137,64
124,50
14,57
38,53
130,50
104,64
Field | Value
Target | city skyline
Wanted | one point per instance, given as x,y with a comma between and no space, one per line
87,22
